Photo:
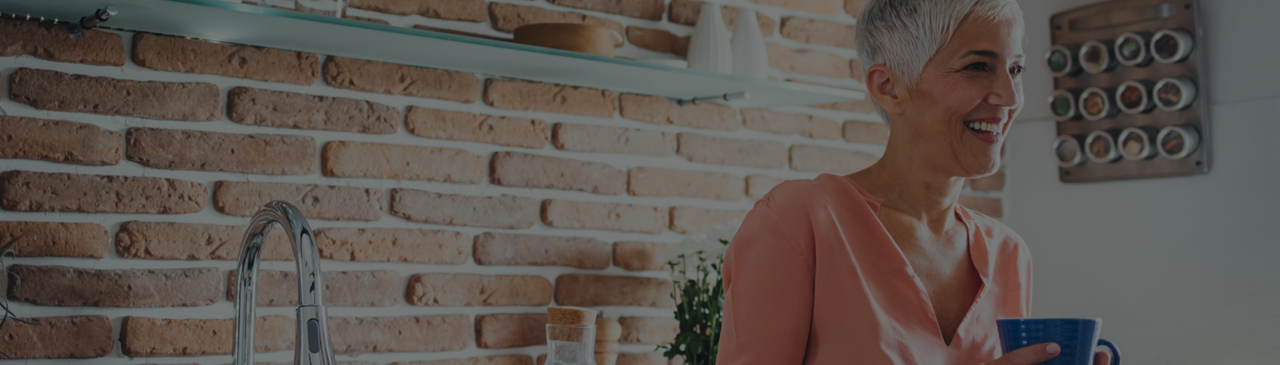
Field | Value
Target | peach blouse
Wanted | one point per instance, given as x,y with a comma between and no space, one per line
812,277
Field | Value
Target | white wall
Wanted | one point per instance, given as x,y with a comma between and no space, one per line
1183,270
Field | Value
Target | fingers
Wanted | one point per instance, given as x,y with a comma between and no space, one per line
1101,358
1029,355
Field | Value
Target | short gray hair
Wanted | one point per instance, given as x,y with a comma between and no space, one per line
905,34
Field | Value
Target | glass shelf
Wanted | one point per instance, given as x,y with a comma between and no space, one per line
232,22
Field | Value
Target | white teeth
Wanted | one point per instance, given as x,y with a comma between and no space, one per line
991,128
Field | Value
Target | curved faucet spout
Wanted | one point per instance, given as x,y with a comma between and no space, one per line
312,346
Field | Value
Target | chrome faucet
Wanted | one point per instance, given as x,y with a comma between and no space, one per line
312,346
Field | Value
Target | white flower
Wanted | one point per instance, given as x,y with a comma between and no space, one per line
678,277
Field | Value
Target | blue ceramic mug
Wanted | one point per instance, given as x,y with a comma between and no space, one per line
1078,338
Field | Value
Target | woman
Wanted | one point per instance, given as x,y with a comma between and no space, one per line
883,266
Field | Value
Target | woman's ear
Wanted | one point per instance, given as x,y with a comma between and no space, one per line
882,85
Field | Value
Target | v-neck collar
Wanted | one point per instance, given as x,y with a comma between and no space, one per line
977,256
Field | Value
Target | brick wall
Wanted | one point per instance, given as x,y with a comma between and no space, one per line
450,208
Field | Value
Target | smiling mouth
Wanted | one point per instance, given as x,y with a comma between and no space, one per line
983,127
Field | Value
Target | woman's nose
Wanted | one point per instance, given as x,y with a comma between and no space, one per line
1006,92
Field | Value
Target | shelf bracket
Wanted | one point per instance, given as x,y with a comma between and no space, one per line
706,99
88,22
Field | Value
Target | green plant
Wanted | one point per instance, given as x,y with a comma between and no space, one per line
16,283
696,271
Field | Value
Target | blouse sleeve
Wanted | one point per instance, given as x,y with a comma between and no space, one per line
769,294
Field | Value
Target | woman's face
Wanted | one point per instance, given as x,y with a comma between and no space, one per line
960,110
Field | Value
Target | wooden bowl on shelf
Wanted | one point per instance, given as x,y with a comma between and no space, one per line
583,38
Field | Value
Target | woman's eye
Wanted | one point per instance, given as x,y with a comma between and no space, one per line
1016,70
979,66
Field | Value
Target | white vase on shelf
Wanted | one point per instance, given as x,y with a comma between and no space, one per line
750,58
709,46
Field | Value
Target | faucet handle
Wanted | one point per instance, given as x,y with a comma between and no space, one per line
313,346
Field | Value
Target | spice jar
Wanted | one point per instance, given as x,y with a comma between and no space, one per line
1062,60
1137,143
1172,45
1131,49
1062,104
1175,93
1066,149
1176,142
1096,57
1096,104
1134,97
1100,146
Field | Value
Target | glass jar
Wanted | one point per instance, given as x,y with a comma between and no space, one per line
1066,149
1177,142
1062,60
1172,45
1096,57
1175,93
1134,97
1062,104
1137,143
1131,49
1096,104
571,344
1100,146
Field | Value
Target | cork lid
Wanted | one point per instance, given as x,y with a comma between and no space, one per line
571,316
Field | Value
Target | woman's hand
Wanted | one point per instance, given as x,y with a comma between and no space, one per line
1039,353
1029,355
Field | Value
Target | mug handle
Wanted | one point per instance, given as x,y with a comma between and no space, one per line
1115,351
